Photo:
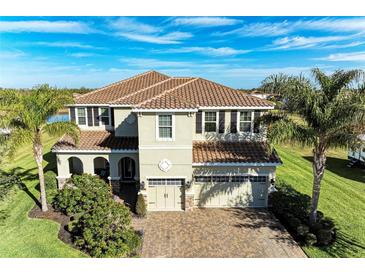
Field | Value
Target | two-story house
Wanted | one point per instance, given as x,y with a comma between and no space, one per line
187,142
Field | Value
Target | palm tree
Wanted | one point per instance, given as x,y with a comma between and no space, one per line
325,113
25,114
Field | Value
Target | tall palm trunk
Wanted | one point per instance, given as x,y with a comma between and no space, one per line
319,164
38,157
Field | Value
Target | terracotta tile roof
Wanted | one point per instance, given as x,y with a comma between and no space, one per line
205,93
233,152
151,92
97,140
155,90
122,88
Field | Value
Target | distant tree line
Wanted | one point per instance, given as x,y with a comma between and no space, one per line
80,90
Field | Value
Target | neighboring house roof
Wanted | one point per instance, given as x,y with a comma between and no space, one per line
97,140
152,90
234,152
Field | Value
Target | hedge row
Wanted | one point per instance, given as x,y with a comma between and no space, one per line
292,208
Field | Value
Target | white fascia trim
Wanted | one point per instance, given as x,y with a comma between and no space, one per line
164,147
166,177
234,108
236,164
66,151
86,105
97,105
165,110
230,174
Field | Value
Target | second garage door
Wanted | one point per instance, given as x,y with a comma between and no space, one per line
231,191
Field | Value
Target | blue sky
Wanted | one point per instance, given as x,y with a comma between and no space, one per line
236,51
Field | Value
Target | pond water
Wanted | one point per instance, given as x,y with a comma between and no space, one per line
58,118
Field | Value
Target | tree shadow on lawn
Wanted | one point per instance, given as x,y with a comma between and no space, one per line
345,246
23,174
340,168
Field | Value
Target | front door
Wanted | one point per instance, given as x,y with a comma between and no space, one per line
165,194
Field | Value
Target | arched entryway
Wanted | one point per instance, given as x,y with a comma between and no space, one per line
127,169
101,167
75,166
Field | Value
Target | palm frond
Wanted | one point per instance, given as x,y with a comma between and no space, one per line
282,129
60,128
14,140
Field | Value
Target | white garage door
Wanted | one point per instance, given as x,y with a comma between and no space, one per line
165,194
231,191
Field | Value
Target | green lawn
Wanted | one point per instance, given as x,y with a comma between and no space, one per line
342,197
20,235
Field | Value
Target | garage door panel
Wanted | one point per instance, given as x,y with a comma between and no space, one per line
165,194
152,202
237,191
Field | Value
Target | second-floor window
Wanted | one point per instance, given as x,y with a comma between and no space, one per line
210,121
245,121
165,126
104,116
81,116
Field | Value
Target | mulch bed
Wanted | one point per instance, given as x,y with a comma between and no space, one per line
56,216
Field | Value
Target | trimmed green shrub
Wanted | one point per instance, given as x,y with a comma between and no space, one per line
302,230
50,182
99,225
316,227
82,193
327,223
310,239
294,223
141,208
292,208
324,237
106,232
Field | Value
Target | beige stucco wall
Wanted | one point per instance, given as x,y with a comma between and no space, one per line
122,127
178,151
88,162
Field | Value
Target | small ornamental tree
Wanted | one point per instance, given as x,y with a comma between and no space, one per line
82,193
106,232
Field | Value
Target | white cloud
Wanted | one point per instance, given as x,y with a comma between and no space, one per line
342,46
154,63
131,29
169,38
345,57
298,42
125,24
66,45
11,54
45,26
81,54
270,29
205,21
210,51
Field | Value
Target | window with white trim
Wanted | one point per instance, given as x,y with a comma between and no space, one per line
210,121
104,116
245,121
81,116
165,126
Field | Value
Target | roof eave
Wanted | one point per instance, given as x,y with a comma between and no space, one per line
243,164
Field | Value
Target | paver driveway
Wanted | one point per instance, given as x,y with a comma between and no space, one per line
216,233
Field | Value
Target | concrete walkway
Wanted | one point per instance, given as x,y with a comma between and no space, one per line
224,233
